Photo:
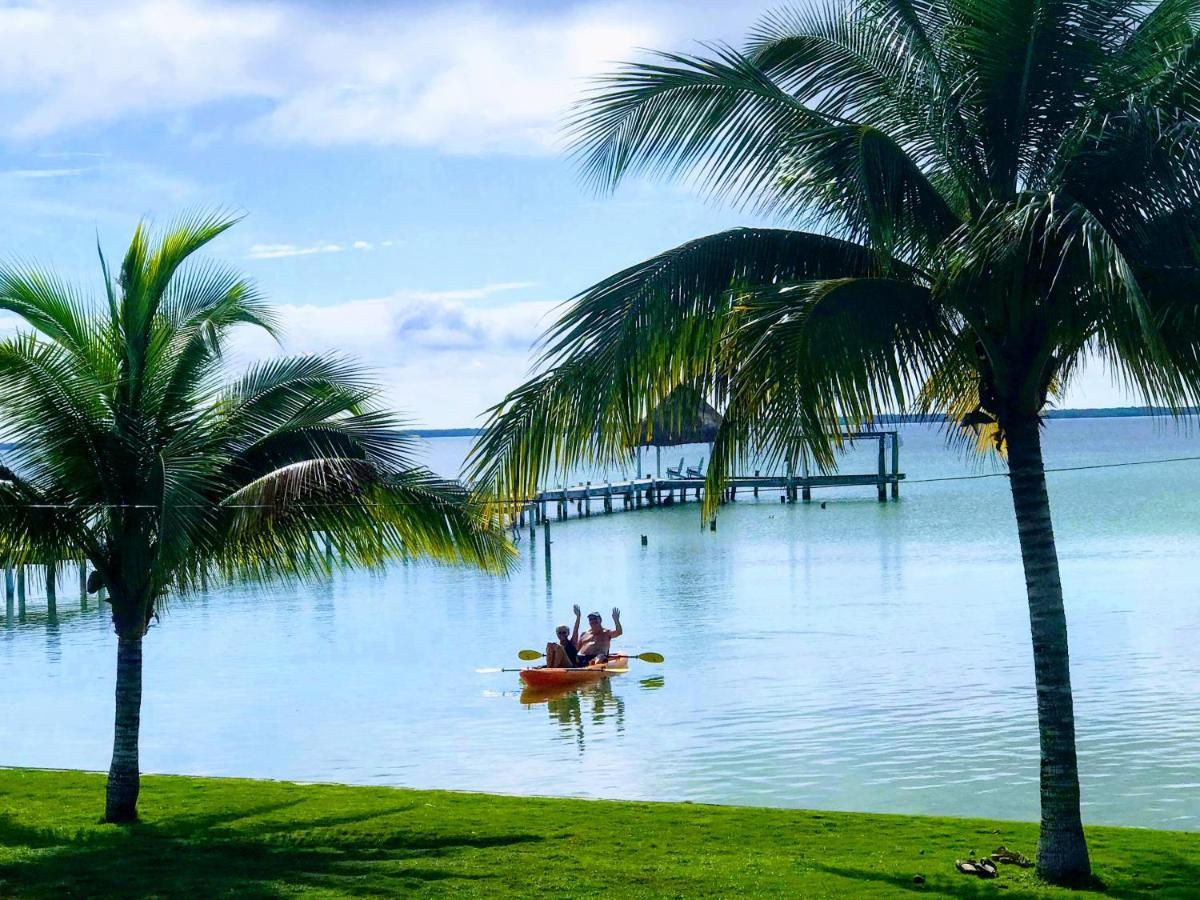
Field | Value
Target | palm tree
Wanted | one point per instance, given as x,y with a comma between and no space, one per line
132,452
993,192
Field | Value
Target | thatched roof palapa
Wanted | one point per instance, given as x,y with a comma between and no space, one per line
684,417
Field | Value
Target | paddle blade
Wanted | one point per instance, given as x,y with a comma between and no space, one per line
492,670
530,654
650,657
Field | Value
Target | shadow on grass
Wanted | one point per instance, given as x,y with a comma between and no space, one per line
236,854
1170,875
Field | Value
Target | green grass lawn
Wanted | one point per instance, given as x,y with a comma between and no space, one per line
217,838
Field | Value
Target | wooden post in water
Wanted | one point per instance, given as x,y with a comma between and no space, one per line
82,579
21,590
546,537
895,465
756,483
52,590
8,581
882,482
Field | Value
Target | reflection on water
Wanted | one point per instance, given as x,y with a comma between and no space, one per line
857,656
569,708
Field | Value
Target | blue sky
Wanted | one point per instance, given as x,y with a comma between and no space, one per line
405,196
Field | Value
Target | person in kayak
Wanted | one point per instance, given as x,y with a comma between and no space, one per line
594,644
565,653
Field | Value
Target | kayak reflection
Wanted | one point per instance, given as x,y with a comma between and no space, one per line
569,707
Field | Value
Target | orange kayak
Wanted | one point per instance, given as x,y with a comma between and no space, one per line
544,678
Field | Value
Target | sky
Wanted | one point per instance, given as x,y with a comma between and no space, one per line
399,166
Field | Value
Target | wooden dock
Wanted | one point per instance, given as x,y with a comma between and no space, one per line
652,491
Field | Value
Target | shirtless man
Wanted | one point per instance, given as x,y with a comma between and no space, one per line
594,644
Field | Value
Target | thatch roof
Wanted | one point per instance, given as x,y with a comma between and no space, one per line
685,417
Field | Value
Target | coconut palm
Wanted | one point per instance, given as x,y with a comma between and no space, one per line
988,194
135,453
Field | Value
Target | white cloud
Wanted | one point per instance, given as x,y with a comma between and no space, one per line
475,293
66,64
72,154
109,193
44,173
281,251
466,78
437,358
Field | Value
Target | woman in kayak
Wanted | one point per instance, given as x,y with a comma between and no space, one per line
594,644
564,654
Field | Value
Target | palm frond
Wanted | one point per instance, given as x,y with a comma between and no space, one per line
627,343
132,451
719,117
809,361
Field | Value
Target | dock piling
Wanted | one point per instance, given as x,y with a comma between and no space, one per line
895,465
882,470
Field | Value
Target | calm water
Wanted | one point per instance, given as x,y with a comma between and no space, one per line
861,656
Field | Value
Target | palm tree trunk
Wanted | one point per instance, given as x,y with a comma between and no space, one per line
124,780
1062,855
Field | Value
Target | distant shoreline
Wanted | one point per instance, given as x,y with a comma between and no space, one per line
1102,412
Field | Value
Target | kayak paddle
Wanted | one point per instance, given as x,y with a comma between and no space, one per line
644,657
494,669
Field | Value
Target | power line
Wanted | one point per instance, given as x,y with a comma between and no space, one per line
280,506
1052,469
